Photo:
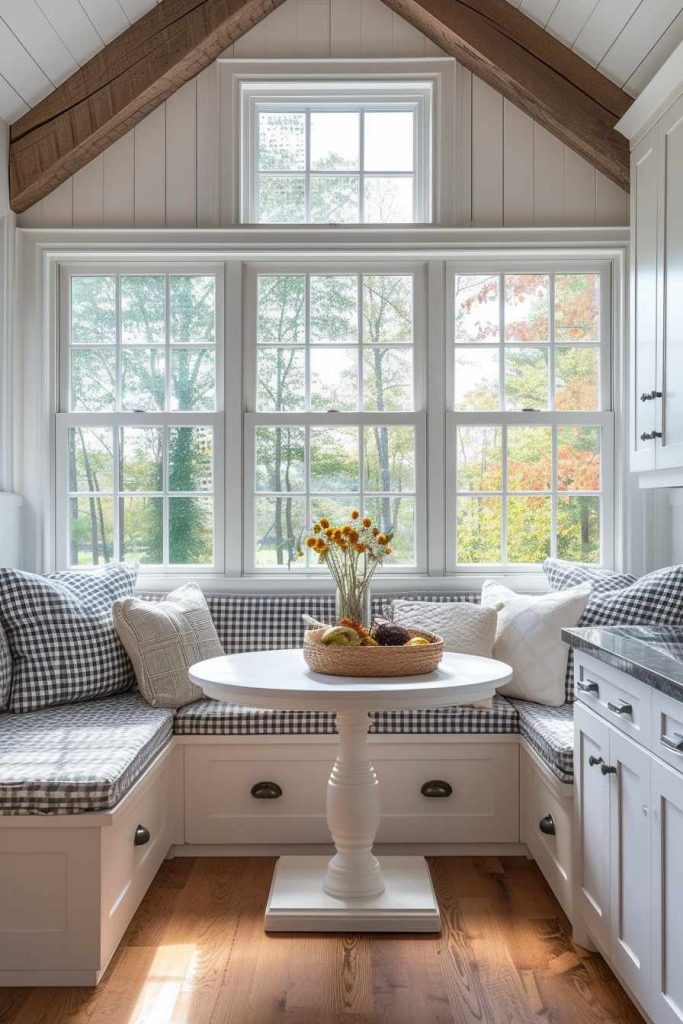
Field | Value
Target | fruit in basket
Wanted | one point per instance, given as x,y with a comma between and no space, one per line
417,641
363,633
340,636
389,635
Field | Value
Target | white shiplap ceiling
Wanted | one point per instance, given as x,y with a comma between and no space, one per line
42,42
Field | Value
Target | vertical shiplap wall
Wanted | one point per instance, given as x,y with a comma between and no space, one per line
165,173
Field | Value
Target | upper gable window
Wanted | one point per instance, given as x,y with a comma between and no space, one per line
337,152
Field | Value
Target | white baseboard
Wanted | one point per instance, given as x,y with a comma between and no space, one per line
49,979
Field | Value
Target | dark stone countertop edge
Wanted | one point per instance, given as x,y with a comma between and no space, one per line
630,655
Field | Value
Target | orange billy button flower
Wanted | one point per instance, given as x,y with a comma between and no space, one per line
311,542
382,538
354,513
353,536
324,523
388,550
346,530
367,521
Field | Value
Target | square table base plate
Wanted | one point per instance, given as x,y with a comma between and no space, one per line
298,902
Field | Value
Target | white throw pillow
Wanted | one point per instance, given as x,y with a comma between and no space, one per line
164,639
528,638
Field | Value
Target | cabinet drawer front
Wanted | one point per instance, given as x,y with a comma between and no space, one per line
549,842
592,816
667,729
623,701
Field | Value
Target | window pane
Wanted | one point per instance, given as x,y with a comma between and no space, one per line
190,531
577,307
143,309
388,379
479,531
141,458
334,379
335,199
282,199
280,385
577,378
528,529
334,309
91,530
578,529
387,309
578,458
335,507
526,379
93,380
193,379
395,515
526,307
280,528
143,380
280,459
190,459
141,528
389,458
281,309
479,459
334,459
389,200
335,141
91,459
193,309
93,310
389,141
281,141
477,386
477,308
529,458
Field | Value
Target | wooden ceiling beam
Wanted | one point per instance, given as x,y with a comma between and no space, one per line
533,70
120,85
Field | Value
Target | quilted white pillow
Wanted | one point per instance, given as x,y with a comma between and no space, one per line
528,638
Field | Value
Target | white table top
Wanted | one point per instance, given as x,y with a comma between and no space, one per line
283,681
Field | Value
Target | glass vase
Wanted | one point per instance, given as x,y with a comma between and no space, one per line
354,605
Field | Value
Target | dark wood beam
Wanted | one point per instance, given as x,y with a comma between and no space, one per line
534,70
120,85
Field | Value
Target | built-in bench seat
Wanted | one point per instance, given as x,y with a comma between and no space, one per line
550,733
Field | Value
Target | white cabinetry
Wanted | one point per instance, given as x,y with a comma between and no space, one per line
666,1006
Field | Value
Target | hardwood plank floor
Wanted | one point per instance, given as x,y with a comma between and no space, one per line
196,953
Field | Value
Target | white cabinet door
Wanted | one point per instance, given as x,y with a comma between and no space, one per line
670,349
644,301
629,775
592,817
666,1004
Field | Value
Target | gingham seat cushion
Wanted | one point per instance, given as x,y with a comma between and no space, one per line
78,757
216,718
550,732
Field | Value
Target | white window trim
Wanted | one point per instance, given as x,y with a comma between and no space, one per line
34,356
241,80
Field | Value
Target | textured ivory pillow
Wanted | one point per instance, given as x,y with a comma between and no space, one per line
528,638
164,639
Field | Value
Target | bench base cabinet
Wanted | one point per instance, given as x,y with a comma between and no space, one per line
546,823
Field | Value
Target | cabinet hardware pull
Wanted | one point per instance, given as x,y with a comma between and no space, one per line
620,709
651,436
141,836
547,825
266,790
594,760
436,787
588,687
608,769
649,396
674,742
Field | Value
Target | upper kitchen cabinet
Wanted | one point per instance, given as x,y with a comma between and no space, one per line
654,124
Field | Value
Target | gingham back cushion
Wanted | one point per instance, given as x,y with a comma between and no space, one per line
5,671
621,600
60,634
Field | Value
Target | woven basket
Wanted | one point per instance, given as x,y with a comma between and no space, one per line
372,661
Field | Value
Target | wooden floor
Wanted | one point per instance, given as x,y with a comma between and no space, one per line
196,953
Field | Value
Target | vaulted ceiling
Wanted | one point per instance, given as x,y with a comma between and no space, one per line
42,42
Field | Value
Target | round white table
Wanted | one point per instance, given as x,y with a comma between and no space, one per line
354,891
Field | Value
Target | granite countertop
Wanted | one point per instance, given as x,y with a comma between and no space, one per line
653,654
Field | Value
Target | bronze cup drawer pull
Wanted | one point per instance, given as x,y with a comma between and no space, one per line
141,836
266,790
436,787
547,825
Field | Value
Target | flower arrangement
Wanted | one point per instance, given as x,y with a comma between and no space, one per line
352,551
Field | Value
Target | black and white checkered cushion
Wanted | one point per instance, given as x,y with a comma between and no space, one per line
5,671
563,575
60,634
550,732
78,757
216,718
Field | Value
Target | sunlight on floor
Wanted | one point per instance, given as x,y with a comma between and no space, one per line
160,991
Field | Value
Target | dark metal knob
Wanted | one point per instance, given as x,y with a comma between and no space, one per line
266,790
594,760
547,825
141,836
436,787
620,709
651,436
649,396
588,687
608,769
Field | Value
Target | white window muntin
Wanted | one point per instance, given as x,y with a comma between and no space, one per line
334,96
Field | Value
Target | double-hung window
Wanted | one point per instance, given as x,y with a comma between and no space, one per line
139,444
334,387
